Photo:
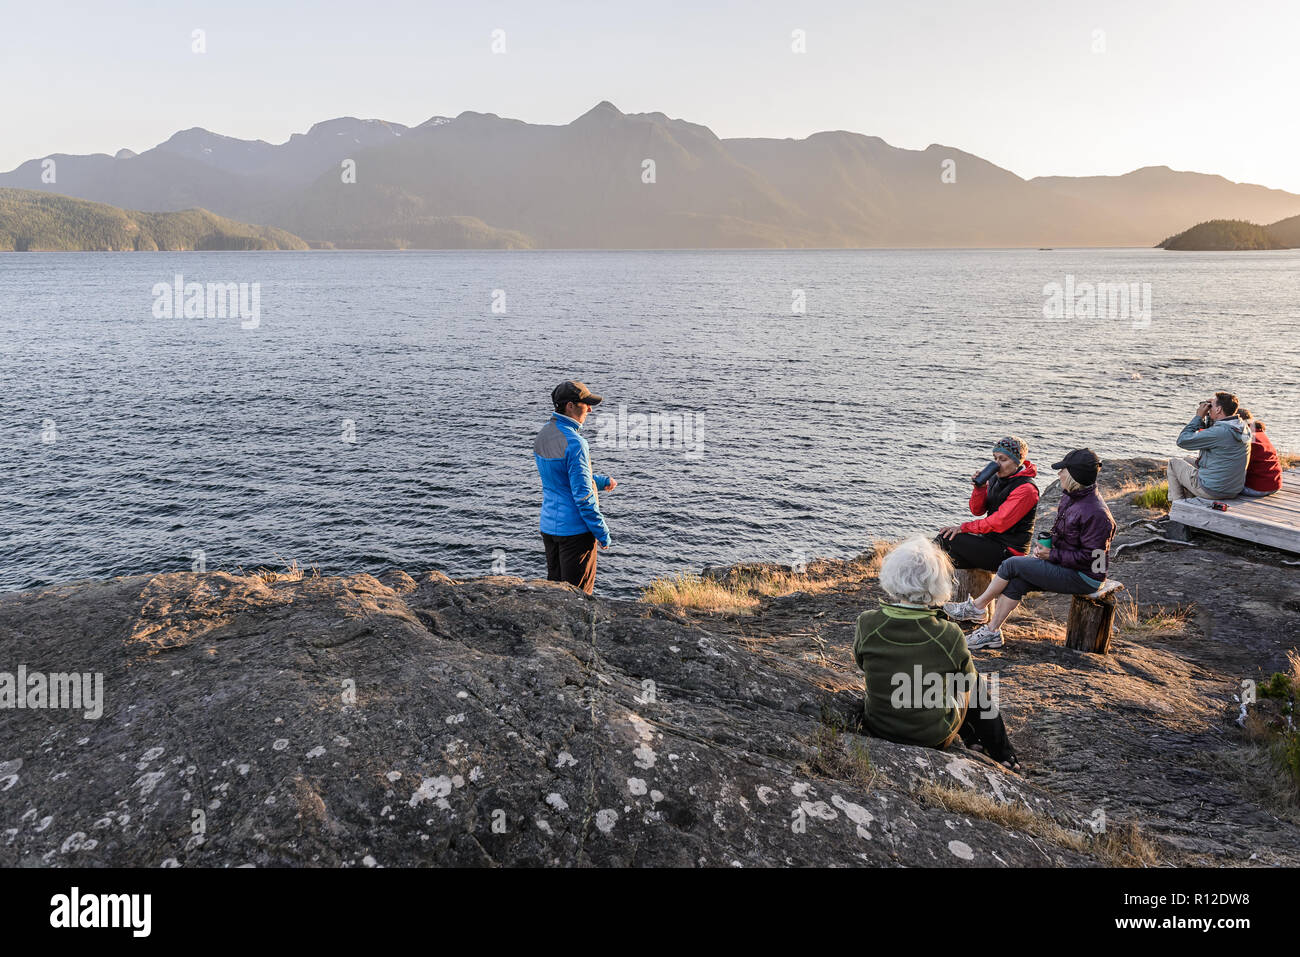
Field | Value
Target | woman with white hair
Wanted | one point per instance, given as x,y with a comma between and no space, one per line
922,687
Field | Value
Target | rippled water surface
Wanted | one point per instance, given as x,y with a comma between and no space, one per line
130,441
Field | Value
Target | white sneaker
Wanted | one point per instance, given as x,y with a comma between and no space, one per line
965,610
984,637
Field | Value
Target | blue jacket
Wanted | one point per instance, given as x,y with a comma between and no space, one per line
570,505
1225,453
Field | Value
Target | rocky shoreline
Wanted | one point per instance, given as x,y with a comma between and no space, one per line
395,720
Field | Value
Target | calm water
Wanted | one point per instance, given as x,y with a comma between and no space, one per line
130,441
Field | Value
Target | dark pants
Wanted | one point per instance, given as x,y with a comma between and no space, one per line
983,725
1026,574
572,559
968,550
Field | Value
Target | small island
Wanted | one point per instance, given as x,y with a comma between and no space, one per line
1236,234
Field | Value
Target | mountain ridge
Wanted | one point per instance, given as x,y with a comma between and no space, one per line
590,184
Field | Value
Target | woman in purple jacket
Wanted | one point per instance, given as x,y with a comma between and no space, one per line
1073,564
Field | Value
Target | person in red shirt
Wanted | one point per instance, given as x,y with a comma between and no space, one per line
1264,470
1006,507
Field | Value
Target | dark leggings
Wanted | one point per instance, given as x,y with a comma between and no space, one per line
968,550
1025,574
983,725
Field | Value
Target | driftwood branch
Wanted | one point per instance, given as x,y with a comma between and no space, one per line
1148,541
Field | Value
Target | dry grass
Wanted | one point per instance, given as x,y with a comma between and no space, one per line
290,573
743,589
702,594
1289,460
880,549
1125,846
843,761
769,584
1278,750
1254,766
1128,486
1155,496
834,757
1154,621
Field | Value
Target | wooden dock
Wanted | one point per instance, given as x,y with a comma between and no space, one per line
1272,521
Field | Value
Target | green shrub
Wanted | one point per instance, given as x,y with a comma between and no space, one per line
1277,686
1153,496
1287,750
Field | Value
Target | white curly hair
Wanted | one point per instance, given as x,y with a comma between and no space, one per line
917,572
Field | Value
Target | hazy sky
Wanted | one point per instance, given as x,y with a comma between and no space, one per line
1203,85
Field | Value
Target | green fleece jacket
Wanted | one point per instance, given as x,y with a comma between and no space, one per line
917,666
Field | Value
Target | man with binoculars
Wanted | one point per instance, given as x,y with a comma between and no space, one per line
1222,442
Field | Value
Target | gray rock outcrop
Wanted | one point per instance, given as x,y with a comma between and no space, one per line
349,721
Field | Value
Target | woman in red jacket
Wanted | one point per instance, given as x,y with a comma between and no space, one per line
1006,507
1264,470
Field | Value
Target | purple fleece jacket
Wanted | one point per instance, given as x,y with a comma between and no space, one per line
1082,533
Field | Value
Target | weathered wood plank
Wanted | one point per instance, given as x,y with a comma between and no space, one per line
1266,506
1288,493
1272,521
1238,524
1285,519
1285,495
1203,513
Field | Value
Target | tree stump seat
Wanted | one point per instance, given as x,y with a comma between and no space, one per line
970,582
1091,618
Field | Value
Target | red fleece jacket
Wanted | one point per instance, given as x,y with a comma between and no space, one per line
1264,472
1020,501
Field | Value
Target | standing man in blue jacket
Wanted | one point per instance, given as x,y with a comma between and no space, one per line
572,525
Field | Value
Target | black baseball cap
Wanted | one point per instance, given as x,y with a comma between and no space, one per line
571,390
1083,465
